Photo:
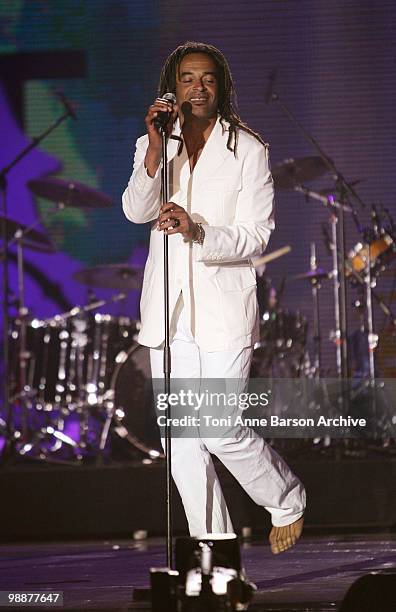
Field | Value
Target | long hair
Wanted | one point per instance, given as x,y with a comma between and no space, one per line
227,98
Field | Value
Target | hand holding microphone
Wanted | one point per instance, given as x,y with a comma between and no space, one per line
162,118
162,113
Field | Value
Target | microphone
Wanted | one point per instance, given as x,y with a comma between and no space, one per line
163,116
270,94
67,105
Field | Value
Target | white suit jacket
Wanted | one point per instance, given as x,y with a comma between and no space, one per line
232,196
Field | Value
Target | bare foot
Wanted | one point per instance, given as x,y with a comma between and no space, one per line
282,538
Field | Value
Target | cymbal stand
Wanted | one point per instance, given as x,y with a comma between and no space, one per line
345,188
372,337
337,332
334,206
23,355
83,309
315,287
389,314
328,201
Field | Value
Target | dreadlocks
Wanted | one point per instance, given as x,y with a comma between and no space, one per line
227,104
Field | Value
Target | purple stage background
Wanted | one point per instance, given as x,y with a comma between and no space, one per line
336,72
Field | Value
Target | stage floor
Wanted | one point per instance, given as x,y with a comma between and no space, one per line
313,576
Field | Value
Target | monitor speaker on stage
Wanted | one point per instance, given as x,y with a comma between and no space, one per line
374,592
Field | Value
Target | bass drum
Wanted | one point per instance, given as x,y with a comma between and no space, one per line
280,352
132,393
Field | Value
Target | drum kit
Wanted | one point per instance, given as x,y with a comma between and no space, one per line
370,259
80,376
283,351
79,380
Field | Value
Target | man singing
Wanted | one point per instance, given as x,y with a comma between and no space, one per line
219,216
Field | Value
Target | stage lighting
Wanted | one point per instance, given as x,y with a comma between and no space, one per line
208,577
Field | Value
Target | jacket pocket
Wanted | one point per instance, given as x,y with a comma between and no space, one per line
229,278
222,184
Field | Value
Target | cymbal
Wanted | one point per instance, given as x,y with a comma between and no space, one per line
326,191
33,239
311,275
292,172
69,193
111,276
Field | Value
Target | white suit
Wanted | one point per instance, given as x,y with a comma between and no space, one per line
213,334
233,197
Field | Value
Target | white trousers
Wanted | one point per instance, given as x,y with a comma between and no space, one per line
257,467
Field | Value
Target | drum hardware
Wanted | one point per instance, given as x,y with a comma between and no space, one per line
69,193
293,172
360,282
76,365
23,236
344,191
362,265
372,338
26,236
72,357
329,201
391,228
280,352
332,193
334,242
23,354
337,209
49,356
132,414
76,310
68,112
373,252
320,399
111,276
267,296
365,263
315,276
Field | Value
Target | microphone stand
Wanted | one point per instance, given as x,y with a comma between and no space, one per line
69,112
167,361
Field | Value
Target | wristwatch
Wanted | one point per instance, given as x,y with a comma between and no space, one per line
200,236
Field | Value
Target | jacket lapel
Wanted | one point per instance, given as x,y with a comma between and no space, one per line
212,157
